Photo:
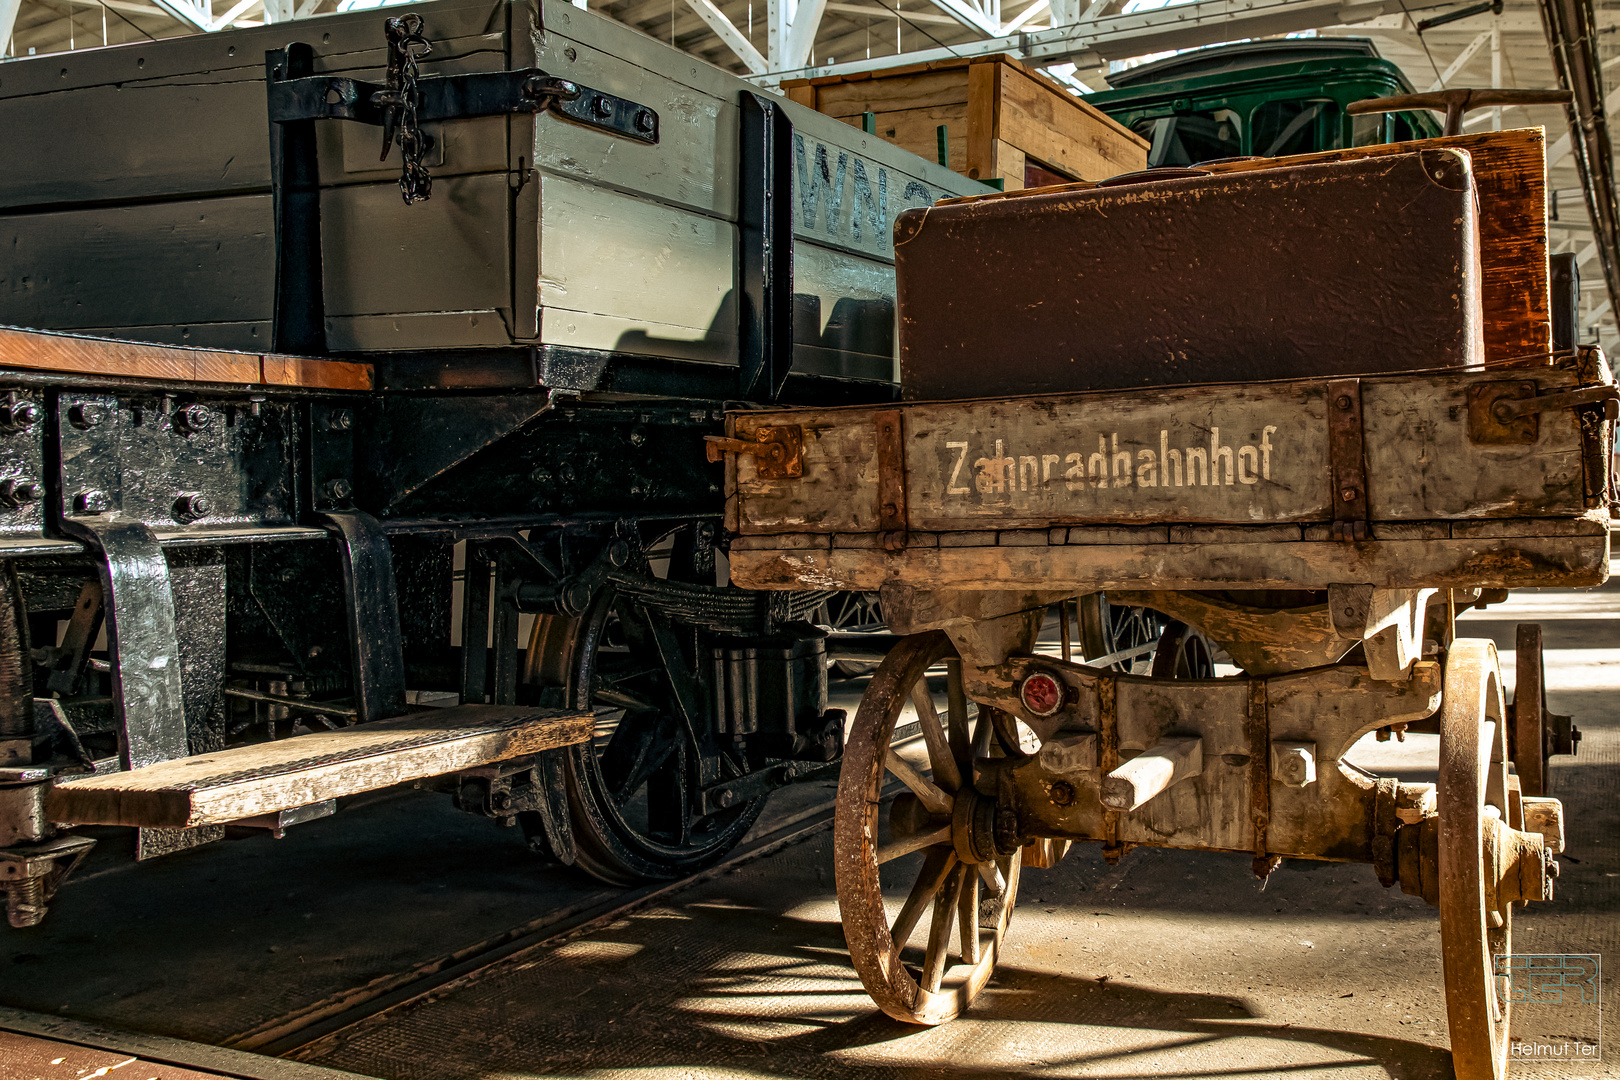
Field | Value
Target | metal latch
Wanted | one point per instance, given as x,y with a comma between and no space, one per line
778,452
1509,413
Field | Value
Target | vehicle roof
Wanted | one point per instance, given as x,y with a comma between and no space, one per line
1240,56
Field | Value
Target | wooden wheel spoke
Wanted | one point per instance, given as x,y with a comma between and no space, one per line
905,846
939,931
939,751
944,887
991,873
961,735
967,918
935,869
934,799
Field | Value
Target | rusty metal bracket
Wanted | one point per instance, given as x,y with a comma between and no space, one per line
1108,760
1347,453
891,468
1509,413
1257,730
778,451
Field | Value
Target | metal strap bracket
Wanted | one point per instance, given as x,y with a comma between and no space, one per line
1347,453
777,450
891,469
464,97
1509,413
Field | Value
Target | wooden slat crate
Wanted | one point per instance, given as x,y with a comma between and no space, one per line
1002,121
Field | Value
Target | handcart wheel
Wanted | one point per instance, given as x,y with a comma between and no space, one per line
1529,737
970,898
1472,799
1183,653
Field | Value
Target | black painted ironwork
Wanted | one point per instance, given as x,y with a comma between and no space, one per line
377,656
765,248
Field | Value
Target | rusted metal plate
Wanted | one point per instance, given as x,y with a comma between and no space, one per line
1331,269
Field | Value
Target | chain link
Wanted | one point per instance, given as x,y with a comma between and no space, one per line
400,103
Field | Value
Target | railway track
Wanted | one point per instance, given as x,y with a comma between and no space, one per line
313,1029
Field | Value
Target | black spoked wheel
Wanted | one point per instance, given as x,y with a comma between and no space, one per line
1120,638
630,789
1183,653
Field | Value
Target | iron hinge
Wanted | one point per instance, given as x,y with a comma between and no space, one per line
465,97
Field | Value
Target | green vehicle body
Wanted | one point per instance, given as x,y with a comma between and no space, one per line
1266,98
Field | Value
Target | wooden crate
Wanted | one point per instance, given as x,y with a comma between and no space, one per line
1002,121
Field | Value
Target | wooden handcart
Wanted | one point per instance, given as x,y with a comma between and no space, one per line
1324,532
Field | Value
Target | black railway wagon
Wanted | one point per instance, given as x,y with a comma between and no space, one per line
365,332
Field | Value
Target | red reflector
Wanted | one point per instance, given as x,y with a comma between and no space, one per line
1042,694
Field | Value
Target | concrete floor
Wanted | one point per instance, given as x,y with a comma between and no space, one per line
1169,964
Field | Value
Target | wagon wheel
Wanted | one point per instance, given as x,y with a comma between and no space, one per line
1472,796
1182,653
1106,629
968,897
628,787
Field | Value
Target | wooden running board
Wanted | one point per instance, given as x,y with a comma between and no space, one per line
266,778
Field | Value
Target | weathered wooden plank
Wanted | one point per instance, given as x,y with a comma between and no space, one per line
269,777
919,90
1229,454
42,351
1504,562
984,99
917,130
94,356
1060,131
317,374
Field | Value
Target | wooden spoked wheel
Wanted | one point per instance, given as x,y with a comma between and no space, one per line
966,899
1473,797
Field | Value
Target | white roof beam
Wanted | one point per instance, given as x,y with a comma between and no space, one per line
190,14
240,8
925,17
801,35
1462,59
1035,10
1119,37
728,33
969,16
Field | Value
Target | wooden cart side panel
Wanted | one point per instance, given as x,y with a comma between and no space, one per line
1503,562
1238,454
838,491
1422,466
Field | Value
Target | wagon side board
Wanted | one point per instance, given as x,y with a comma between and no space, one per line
1250,455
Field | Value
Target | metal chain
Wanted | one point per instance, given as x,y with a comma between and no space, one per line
400,103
